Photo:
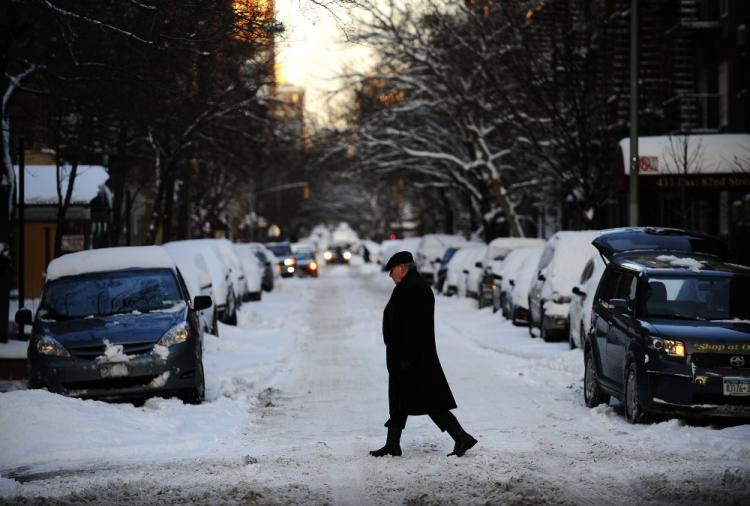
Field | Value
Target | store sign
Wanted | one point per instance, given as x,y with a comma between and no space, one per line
73,242
726,181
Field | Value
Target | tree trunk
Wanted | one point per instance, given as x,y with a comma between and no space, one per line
63,204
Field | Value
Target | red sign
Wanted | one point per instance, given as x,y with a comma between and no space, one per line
648,164
72,242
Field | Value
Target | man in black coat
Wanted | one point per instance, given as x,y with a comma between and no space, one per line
416,382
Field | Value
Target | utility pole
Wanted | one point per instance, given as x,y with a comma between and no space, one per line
634,161
21,228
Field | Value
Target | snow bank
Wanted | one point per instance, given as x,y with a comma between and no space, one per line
109,259
691,263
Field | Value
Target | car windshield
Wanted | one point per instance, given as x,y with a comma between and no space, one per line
304,255
698,297
107,293
280,250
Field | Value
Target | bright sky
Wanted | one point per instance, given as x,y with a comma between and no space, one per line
313,52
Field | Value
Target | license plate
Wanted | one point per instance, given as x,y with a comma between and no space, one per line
737,386
113,370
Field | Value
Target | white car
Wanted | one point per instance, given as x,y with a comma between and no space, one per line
252,270
430,251
507,272
194,271
483,276
237,273
559,270
582,302
223,291
407,244
454,277
471,273
521,283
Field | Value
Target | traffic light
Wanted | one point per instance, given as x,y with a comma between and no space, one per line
306,193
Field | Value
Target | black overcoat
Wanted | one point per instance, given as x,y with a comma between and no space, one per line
416,382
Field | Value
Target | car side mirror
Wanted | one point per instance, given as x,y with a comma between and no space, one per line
465,271
498,277
541,277
478,265
24,317
438,260
511,282
618,305
577,291
201,302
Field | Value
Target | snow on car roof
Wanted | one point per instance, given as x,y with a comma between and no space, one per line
502,245
109,259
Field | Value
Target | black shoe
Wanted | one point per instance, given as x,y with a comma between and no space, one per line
463,444
392,444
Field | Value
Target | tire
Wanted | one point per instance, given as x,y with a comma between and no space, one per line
255,296
215,325
634,412
196,394
543,330
592,392
571,341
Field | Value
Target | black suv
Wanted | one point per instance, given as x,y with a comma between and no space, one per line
670,329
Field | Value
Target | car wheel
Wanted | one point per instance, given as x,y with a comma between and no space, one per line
592,392
543,330
196,394
633,409
571,341
255,296
215,325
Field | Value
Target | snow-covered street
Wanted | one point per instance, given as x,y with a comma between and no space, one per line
297,395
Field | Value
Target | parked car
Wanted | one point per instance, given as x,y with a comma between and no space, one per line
388,248
226,304
455,277
284,257
236,270
521,283
194,270
501,295
488,272
429,252
670,327
338,253
253,271
472,273
116,323
558,272
270,268
407,244
582,300
369,251
442,272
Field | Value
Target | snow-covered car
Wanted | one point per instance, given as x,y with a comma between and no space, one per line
388,248
492,265
116,323
194,271
429,253
252,269
501,295
518,312
307,265
369,251
471,273
268,260
226,304
582,300
236,271
454,277
284,257
559,270
442,271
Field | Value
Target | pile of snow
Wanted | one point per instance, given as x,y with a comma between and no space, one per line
113,353
109,259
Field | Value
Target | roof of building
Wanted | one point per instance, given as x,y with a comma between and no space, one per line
706,154
40,184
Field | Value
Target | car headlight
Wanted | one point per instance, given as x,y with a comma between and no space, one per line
47,345
347,255
560,299
327,255
289,261
670,347
313,265
177,334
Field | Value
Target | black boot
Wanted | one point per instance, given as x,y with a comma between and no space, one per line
463,440
392,444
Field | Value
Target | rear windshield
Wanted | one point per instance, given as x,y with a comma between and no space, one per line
638,241
698,298
280,250
108,293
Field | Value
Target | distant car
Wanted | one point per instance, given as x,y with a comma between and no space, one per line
253,271
116,323
670,327
194,270
558,272
338,253
406,244
268,261
501,296
284,257
520,283
455,276
307,265
430,251
471,273
442,271
236,270
582,300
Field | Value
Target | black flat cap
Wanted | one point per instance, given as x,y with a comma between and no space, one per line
402,257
